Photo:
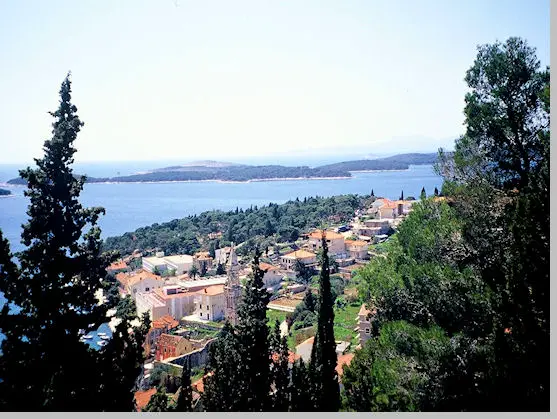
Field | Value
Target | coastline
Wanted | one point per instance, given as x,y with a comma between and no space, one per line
203,180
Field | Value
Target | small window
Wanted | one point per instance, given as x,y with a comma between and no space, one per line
207,307
200,315
146,289
200,306
367,331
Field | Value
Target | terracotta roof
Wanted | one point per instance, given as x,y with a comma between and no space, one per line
268,267
355,242
118,265
165,321
212,290
134,279
329,235
169,340
202,256
123,278
142,398
341,361
300,254
363,311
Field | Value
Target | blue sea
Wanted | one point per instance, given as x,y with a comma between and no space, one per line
132,205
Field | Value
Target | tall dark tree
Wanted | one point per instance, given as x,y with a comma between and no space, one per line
185,398
436,192
54,289
223,383
300,388
158,401
401,195
372,194
309,300
423,195
253,334
220,269
324,358
280,374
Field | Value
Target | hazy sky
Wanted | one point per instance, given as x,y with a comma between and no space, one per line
176,79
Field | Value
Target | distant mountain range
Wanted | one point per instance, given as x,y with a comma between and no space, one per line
224,171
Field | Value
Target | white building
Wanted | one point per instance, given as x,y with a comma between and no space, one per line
273,275
221,255
143,282
335,242
179,263
289,260
210,303
172,300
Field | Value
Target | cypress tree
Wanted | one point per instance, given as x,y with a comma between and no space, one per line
423,195
222,386
436,192
309,300
323,363
185,398
299,388
280,373
253,334
402,195
44,365
372,194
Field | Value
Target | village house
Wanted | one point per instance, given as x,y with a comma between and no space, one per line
210,303
288,261
357,249
117,267
364,328
221,255
203,261
335,242
180,264
163,325
384,208
172,300
141,281
273,275
170,346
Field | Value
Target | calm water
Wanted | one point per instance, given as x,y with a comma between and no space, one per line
133,205
130,206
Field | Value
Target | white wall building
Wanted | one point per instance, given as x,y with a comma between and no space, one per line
180,263
210,303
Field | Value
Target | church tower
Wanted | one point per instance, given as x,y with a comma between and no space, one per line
232,288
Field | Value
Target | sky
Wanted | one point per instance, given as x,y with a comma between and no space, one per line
225,80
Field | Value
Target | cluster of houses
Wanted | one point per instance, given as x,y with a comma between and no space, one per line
177,300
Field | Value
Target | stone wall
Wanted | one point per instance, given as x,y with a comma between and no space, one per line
197,358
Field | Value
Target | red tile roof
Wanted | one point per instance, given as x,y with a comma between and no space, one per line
329,235
168,340
212,290
118,265
341,361
292,357
198,385
165,321
142,398
268,267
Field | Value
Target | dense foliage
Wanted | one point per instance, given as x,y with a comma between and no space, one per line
287,221
462,295
52,295
397,162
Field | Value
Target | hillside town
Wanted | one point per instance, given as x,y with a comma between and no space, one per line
188,297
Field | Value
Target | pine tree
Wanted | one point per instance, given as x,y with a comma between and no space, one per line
185,398
401,195
423,195
275,339
436,192
253,334
323,363
372,194
44,365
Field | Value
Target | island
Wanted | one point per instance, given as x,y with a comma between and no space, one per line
5,192
231,172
